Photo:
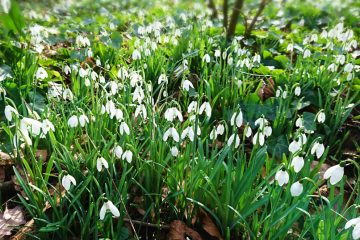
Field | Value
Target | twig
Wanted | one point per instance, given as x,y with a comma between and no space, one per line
126,211
163,226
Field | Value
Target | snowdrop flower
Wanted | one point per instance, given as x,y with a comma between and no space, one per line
87,82
332,67
174,151
213,134
83,73
9,110
136,55
119,114
256,58
348,67
261,122
73,121
41,73
163,79
101,79
6,4
290,47
278,92
113,87
55,90
140,109
82,41
192,107
296,189
355,222
294,146
259,138
217,53
189,132
67,70
94,75
100,162
284,94
318,149
231,139
122,73
22,135
282,177
297,91
206,58
110,108
171,132
248,131
299,122
307,53
217,131
321,117
220,129
67,180
47,126
172,113
205,107
118,151
83,120
34,127
267,131
67,94
237,118
109,206
297,163
335,173
128,156
124,128
187,85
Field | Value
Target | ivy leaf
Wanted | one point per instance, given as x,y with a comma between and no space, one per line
309,121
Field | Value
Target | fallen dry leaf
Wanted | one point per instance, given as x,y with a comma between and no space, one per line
209,226
178,231
10,219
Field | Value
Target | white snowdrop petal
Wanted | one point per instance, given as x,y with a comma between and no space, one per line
320,150
102,212
297,163
174,151
352,222
231,140
296,189
356,232
118,151
113,209
337,175
282,177
66,183
239,119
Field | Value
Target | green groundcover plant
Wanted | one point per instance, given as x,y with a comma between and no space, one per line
123,116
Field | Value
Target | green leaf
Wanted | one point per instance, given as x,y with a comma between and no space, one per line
278,146
116,40
283,60
309,121
14,20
